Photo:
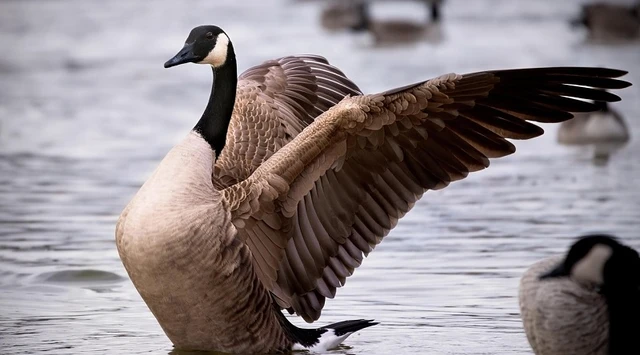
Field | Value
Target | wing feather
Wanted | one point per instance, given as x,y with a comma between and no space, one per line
348,177
275,101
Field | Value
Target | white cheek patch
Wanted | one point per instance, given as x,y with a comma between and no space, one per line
590,269
218,55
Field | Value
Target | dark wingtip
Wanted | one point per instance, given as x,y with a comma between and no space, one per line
350,326
610,83
623,84
371,322
619,72
615,99
610,73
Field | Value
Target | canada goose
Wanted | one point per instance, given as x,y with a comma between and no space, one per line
605,130
339,15
586,303
355,16
316,185
610,23
399,32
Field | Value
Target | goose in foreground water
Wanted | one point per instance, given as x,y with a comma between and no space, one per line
584,303
604,129
281,188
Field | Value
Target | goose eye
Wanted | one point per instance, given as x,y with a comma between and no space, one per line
209,35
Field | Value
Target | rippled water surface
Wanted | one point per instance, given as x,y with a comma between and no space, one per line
87,111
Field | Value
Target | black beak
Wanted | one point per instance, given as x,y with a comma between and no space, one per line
184,56
575,22
558,271
579,21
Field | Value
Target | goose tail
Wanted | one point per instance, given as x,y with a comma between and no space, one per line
324,338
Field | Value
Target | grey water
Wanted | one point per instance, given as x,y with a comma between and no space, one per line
87,111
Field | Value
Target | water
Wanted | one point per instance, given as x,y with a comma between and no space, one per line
87,111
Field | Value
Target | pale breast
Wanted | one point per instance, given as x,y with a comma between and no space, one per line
177,197
180,249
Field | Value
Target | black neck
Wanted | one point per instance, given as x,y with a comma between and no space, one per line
364,20
435,11
602,106
214,122
624,315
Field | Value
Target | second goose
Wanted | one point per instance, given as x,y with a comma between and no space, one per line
586,302
610,23
291,176
356,16
604,130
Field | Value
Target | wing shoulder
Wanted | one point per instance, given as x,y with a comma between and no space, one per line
275,101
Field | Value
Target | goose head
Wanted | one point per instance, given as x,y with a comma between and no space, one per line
210,45
601,261
204,45
582,19
360,19
602,106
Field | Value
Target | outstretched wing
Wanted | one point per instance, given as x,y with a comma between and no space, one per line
313,210
275,101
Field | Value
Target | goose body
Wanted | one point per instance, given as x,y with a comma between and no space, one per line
339,15
356,16
566,301
610,23
399,32
292,175
552,310
605,130
222,284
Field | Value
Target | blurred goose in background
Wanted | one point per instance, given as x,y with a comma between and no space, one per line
604,130
356,16
584,303
610,23
340,15
292,176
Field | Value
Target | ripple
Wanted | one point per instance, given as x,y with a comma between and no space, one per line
86,277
